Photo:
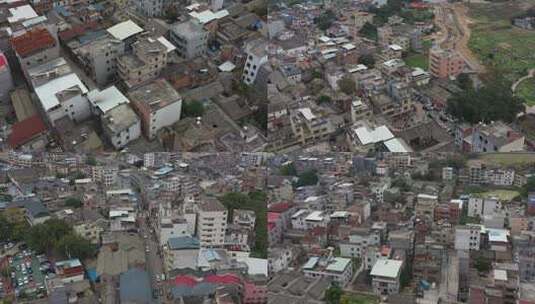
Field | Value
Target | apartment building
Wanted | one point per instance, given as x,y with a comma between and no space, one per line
190,39
181,253
211,222
105,174
468,237
157,104
385,276
121,125
358,242
445,63
148,58
172,228
35,47
256,51
338,269
98,58
308,127
496,137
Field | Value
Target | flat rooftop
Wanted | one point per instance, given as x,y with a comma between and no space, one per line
156,94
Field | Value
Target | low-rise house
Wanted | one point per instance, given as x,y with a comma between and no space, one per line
385,276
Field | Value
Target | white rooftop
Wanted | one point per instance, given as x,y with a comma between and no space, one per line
338,264
299,213
498,235
255,266
500,274
311,263
207,15
395,47
227,66
397,145
339,214
124,30
170,47
315,216
348,46
47,93
387,268
427,196
369,136
107,99
21,13
307,113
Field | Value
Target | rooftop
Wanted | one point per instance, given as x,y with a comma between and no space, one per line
107,99
32,42
51,93
124,30
21,13
120,118
156,94
387,268
23,131
367,135
210,204
184,242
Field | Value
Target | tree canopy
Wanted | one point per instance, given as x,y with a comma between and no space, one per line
193,108
325,20
347,85
307,178
492,102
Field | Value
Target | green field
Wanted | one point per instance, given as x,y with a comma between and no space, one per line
502,195
508,159
497,42
417,60
526,90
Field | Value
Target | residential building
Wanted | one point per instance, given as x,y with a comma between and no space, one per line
468,237
121,125
211,222
385,276
190,39
157,104
338,269
496,137
64,96
445,63
148,58
172,228
256,51
181,252
308,127
35,47
6,80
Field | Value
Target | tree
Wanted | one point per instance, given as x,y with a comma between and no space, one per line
528,187
73,202
192,108
288,170
325,20
367,60
324,99
307,178
75,246
347,85
6,229
464,81
482,264
44,237
492,102
369,31
91,160
333,295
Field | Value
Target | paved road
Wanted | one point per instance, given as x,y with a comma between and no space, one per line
154,261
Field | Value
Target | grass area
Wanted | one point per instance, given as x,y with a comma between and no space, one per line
503,195
508,159
358,299
498,44
416,60
526,90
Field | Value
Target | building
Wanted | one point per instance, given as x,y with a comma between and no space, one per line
256,52
190,39
359,110
121,125
70,270
6,81
35,47
181,252
339,270
148,58
107,175
172,228
211,222
496,137
64,96
151,8
157,104
98,58
385,276
358,242
308,127
468,237
445,63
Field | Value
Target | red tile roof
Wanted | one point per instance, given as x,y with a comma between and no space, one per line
33,41
77,30
23,131
280,207
273,217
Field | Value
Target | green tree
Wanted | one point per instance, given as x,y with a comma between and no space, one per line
482,264
307,178
6,229
192,108
44,237
347,85
324,99
528,187
75,246
91,160
367,60
333,295
369,31
288,170
492,102
325,20
73,202
464,81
